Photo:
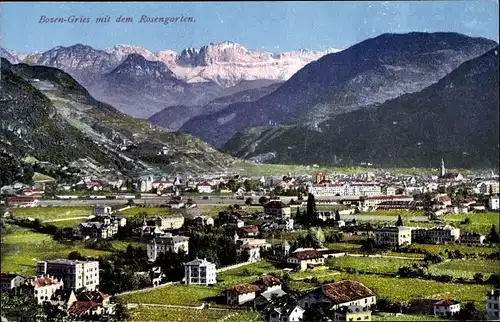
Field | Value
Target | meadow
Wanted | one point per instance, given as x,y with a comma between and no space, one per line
23,248
176,294
466,269
405,289
467,249
51,213
370,264
409,213
73,223
407,317
150,211
253,169
189,315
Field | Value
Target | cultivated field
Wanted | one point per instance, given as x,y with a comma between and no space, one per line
189,315
405,289
410,213
370,264
407,317
150,211
22,249
175,295
466,269
436,249
49,213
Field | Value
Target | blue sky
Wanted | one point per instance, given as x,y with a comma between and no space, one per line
279,26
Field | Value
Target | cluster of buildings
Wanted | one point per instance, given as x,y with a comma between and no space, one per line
403,236
71,285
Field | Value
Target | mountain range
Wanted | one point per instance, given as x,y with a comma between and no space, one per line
195,77
48,116
388,100
361,76
456,118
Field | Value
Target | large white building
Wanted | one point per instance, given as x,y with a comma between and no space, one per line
393,236
165,243
200,271
446,308
75,274
345,189
493,305
494,203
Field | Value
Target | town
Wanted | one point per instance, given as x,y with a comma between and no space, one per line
336,246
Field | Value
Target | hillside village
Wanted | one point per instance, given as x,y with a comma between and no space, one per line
299,227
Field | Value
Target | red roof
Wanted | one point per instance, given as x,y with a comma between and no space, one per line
245,288
45,281
275,204
346,291
250,229
307,254
93,296
79,307
269,280
446,302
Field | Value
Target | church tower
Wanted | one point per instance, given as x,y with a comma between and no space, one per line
443,169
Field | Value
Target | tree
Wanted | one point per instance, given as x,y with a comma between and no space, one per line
75,256
311,205
400,221
337,215
467,221
478,278
278,190
493,235
263,200
249,201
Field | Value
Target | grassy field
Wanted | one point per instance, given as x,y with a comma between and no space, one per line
407,317
404,289
21,250
151,211
48,213
370,264
435,249
410,213
189,315
344,247
175,295
480,223
252,169
466,269
73,223
40,177
195,295
119,245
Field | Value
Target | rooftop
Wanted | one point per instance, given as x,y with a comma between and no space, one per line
345,291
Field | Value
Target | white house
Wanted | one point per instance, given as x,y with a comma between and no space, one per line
393,236
11,281
241,294
102,211
494,203
274,313
446,307
200,271
204,187
305,258
165,243
493,305
45,286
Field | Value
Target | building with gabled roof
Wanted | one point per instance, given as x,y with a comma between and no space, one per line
339,294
